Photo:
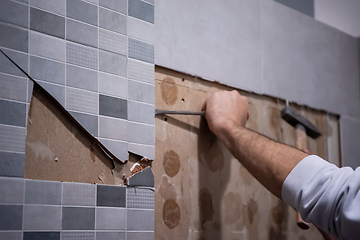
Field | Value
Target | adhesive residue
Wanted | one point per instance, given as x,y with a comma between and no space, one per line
171,213
169,91
41,150
166,189
231,208
171,163
205,206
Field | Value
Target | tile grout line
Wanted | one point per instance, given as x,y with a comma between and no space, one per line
98,73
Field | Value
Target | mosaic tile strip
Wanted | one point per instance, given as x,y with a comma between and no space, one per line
140,198
141,71
141,50
113,42
82,56
79,194
82,101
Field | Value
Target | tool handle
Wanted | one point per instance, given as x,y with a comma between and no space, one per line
157,111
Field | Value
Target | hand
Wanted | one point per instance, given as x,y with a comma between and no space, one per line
224,110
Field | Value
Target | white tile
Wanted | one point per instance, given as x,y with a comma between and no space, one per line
113,85
141,30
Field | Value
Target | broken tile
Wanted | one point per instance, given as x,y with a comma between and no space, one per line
140,198
12,164
55,90
112,21
113,42
141,92
118,148
11,217
112,107
141,10
140,133
14,13
42,217
110,235
89,122
142,113
111,196
82,11
54,6
112,63
116,5
140,236
41,235
77,235
42,192
81,55
13,88
141,30
110,218
12,113
81,78
47,70
46,46
82,101
141,50
141,71
46,22
14,38
11,235
6,66
142,150
11,190
80,194
112,128
78,218
143,178
81,33
113,85
141,220
12,139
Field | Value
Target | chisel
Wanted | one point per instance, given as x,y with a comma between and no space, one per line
160,112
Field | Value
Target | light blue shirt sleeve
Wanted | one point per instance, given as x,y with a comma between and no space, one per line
325,195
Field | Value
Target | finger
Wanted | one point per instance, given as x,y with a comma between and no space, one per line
248,116
204,105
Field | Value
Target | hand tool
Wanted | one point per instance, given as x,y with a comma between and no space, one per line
303,127
159,112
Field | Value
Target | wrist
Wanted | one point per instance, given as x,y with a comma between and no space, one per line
227,131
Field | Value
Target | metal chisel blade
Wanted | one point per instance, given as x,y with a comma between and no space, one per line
158,112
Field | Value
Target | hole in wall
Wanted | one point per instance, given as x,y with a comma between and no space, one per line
183,100
165,119
183,79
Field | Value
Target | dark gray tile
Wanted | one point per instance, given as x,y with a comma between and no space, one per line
140,198
14,38
112,63
11,235
12,113
47,70
12,190
112,21
12,139
142,220
141,92
8,67
13,12
116,5
47,23
42,192
304,6
82,101
110,218
111,196
140,133
81,55
143,178
77,235
141,10
44,45
118,148
112,128
12,164
139,112
55,6
113,85
89,122
141,50
140,236
81,78
82,11
13,88
112,107
11,217
79,194
76,218
110,235
40,217
81,33
58,92
41,236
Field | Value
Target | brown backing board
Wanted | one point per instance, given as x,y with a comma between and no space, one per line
202,191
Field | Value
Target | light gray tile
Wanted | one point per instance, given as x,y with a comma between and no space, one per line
119,149
42,192
42,217
79,194
110,218
112,21
82,11
140,220
47,70
82,56
141,30
15,13
12,138
140,198
12,164
150,1
77,235
11,235
110,235
81,78
78,218
11,190
142,150
350,138
141,50
113,42
6,66
55,6
89,122
58,92
82,101
12,113
113,85
112,63
46,46
140,236
14,38
13,88
81,33
116,5
305,6
94,1
112,128
46,22
139,133
141,10
141,92
112,107
11,217
139,112
141,71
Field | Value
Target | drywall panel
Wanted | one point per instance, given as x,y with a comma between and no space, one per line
350,150
217,40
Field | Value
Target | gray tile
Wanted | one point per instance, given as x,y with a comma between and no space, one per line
143,178
82,101
139,133
118,148
82,11
113,42
110,218
110,235
42,217
350,138
140,236
139,112
89,122
58,92
116,5
76,218
141,71
6,66
141,50
23,1
141,10
12,113
11,217
81,78
47,23
30,90
46,46
12,164
140,220
142,150
80,194
11,190
12,139
112,21
112,63
81,33
47,70
140,198
77,235
112,107
41,235
94,1
14,38
13,88
54,6
11,235
112,128
141,92
42,192
82,56
141,30
113,85
111,196
150,1
13,12
304,6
